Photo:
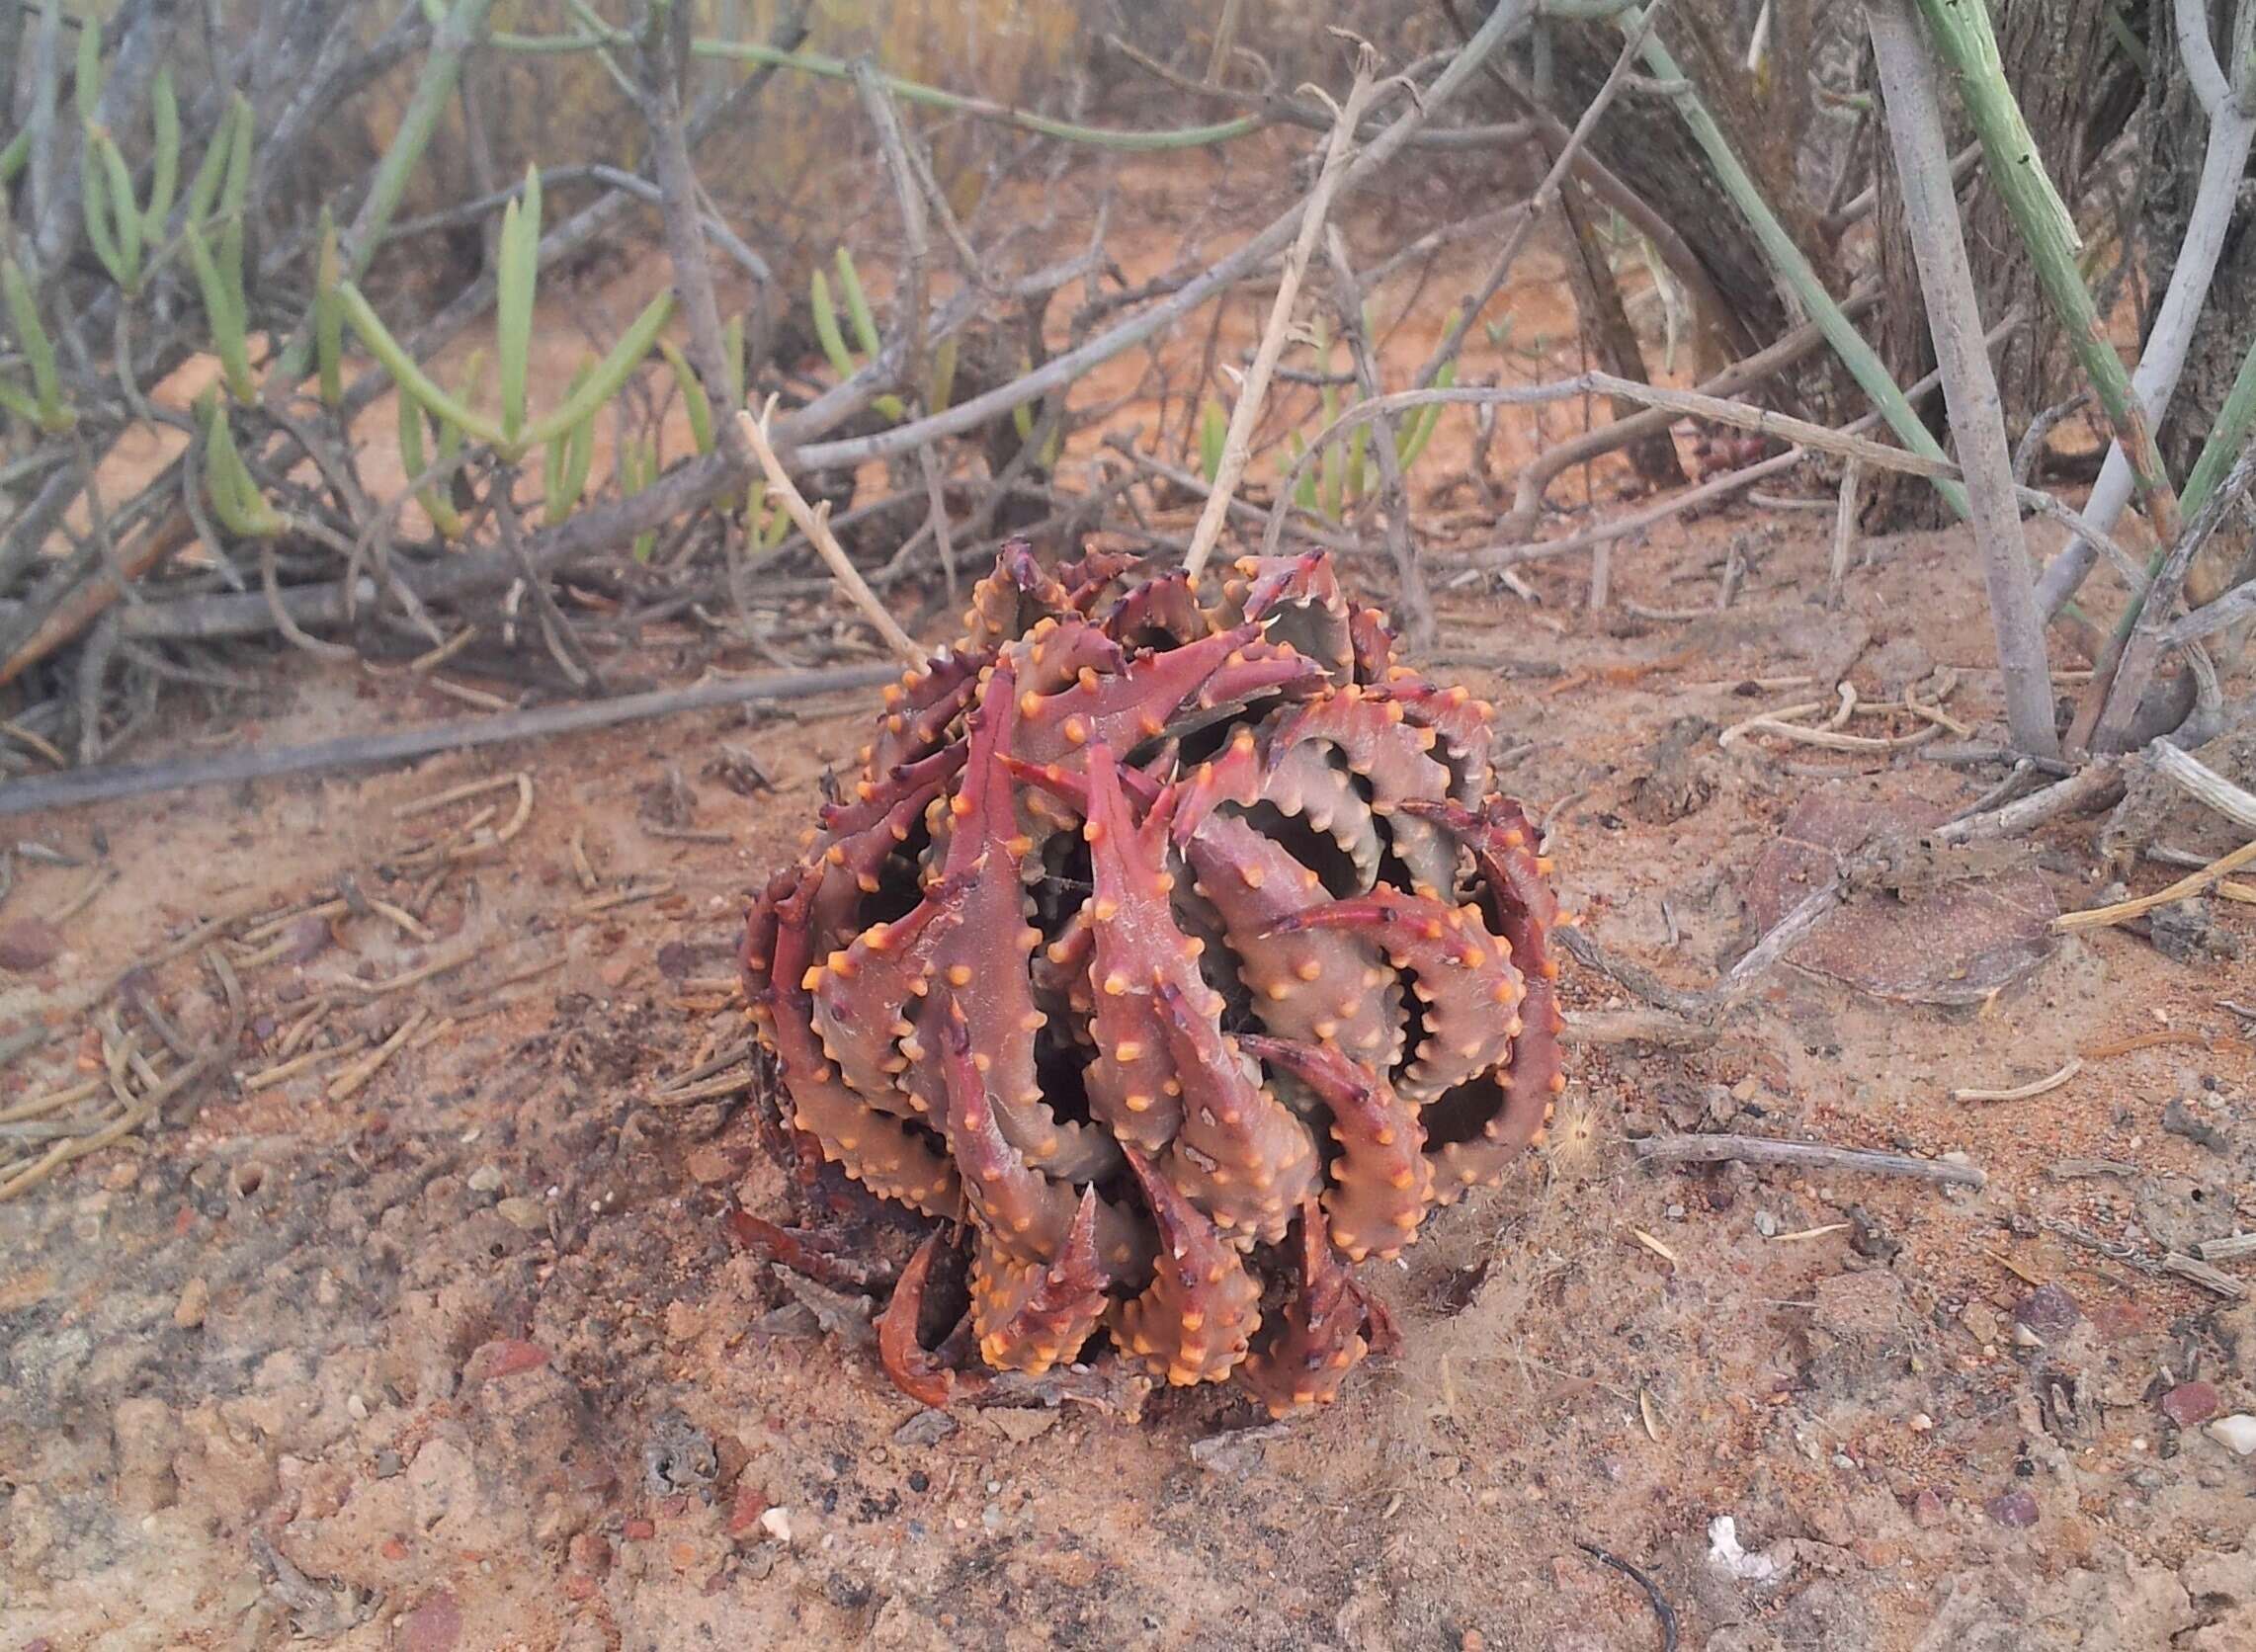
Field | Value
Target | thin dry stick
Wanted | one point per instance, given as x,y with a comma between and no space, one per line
1759,1150
92,785
817,527
2193,883
1844,534
936,495
1706,1008
1623,528
350,1080
2202,782
1414,598
2231,609
1738,414
878,102
2202,1273
2022,1092
884,120
1237,443
267,1077
1226,42
2093,786
440,800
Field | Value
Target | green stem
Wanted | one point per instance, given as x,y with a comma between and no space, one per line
909,90
610,374
450,43
2225,438
1961,33
411,379
1870,372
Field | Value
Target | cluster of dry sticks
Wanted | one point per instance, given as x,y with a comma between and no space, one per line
136,1059
154,592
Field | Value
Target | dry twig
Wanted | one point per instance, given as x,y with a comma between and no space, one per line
1237,442
1815,1155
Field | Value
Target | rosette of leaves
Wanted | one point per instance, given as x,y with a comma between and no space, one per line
1185,955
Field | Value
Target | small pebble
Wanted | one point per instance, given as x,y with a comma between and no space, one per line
2016,1509
1766,1224
524,1214
2048,1311
1921,1421
2238,1431
926,1427
485,1179
1020,1425
194,1298
776,1522
2190,1404
26,945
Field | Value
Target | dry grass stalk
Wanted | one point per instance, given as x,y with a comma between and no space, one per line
1237,442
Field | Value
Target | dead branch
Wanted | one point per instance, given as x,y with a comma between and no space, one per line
92,785
1970,389
2202,782
1237,443
2086,791
1414,598
817,527
1811,1155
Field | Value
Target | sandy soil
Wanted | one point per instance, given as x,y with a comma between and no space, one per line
463,1357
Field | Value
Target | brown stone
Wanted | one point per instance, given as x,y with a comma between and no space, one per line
2016,1509
28,944
434,1626
2190,1404
506,1358
1940,938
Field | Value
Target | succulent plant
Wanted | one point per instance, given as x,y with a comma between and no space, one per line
1186,956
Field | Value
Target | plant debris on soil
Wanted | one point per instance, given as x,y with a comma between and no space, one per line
395,1252
447,1336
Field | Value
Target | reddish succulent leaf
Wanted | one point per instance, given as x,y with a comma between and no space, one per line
916,1370
1030,1316
1195,1320
1319,1336
1382,1182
